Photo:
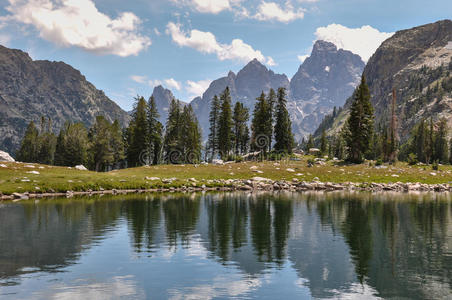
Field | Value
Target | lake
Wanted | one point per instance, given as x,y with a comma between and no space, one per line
228,245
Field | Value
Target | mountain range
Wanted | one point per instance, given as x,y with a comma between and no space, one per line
416,63
31,89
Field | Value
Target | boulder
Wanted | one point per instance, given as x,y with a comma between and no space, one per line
217,162
4,156
81,168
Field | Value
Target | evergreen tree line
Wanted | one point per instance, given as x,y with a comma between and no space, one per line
229,134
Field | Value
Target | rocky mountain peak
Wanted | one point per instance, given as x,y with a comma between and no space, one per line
163,97
323,46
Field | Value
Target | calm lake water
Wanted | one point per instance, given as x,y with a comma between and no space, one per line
229,245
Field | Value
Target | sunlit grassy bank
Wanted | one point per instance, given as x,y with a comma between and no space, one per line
21,177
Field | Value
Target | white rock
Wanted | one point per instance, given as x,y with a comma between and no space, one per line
433,173
261,179
81,168
217,162
395,175
3,166
253,167
290,170
152,178
29,166
4,156
33,172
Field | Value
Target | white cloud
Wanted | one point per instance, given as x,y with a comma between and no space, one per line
206,42
271,11
4,39
172,83
362,41
154,82
157,32
197,88
138,78
302,58
79,23
206,6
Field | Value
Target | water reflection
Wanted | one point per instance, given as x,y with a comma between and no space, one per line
231,244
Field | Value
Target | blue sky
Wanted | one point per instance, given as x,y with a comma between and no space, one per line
127,47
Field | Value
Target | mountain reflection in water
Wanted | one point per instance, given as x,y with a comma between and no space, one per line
282,245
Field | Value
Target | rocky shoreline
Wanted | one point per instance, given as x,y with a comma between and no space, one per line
250,185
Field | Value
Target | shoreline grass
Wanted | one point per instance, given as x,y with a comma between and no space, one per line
19,177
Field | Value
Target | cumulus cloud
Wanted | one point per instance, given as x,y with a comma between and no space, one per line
172,83
302,58
362,41
197,88
272,11
138,78
79,23
207,6
206,42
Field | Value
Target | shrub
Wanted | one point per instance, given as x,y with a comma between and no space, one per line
435,165
412,159
379,162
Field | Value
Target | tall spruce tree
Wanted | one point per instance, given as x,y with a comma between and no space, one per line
155,139
272,101
240,120
117,143
191,136
323,143
138,133
309,143
225,134
262,125
359,126
46,143
72,145
214,116
440,140
172,142
28,151
283,128
101,150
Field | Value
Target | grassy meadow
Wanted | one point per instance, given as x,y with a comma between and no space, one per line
24,177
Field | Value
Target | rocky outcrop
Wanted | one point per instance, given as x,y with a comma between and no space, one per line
245,87
324,80
163,99
416,63
4,156
32,89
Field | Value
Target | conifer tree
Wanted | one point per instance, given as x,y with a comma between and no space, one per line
212,143
323,143
359,126
309,143
261,125
72,145
240,120
46,143
30,144
283,128
172,142
138,133
272,101
117,142
225,134
101,150
440,140
191,136
155,132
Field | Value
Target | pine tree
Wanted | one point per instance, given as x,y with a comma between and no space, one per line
117,143
225,134
72,145
212,143
172,141
309,143
101,150
155,132
46,143
359,126
138,134
440,139
28,151
323,143
240,120
261,125
191,136
272,101
283,128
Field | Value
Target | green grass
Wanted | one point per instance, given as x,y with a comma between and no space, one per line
61,179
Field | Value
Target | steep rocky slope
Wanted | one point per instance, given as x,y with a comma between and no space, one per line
163,99
32,89
324,80
417,63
